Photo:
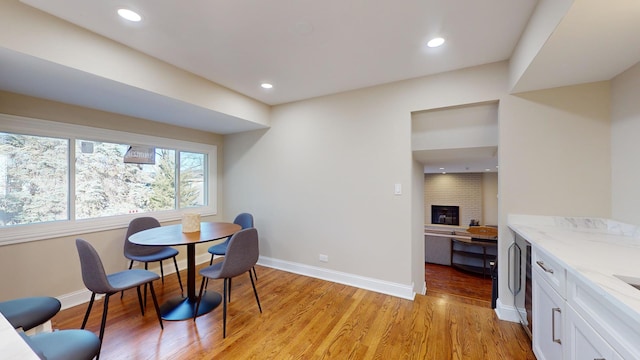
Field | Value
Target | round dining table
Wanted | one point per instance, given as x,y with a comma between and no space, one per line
182,308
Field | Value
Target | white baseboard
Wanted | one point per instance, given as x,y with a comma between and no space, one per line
384,287
381,286
507,312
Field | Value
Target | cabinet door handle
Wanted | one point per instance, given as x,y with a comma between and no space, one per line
553,325
544,267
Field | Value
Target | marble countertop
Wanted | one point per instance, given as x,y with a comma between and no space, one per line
593,250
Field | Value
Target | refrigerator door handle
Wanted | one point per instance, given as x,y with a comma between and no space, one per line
516,251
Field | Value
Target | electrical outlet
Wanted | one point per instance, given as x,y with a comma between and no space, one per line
323,258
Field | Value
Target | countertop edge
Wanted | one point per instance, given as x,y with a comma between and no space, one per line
544,233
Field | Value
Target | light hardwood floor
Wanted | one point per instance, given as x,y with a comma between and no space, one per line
306,318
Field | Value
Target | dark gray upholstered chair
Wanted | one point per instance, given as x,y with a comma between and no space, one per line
242,255
245,220
29,312
147,254
98,282
64,344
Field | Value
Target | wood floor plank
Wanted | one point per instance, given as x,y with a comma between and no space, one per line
307,318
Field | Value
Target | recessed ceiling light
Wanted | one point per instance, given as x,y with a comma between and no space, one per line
435,42
441,168
129,15
487,169
266,85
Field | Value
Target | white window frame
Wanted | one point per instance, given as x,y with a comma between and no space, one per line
71,227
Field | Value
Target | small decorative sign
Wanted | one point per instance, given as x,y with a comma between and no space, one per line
140,155
190,222
86,147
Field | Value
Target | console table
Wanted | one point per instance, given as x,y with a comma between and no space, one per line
473,255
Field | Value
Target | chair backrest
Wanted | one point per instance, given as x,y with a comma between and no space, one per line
242,253
245,220
93,274
137,225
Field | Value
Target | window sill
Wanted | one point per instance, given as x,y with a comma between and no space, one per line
44,231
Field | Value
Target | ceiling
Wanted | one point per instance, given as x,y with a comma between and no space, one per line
307,48
311,48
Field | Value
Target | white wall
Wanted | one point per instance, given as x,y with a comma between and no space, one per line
468,126
625,147
321,179
555,157
417,210
490,198
543,22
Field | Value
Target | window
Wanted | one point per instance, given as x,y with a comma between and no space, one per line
60,179
34,186
192,179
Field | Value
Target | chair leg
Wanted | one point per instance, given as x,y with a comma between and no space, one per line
146,267
155,304
229,289
175,262
130,266
145,295
161,272
255,292
255,274
227,286
140,299
195,312
210,263
86,315
104,315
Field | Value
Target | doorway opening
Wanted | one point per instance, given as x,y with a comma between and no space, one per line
458,149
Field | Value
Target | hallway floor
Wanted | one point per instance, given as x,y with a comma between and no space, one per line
453,284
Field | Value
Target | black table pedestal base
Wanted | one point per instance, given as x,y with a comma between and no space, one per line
180,308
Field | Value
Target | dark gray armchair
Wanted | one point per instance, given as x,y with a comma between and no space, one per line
64,344
98,282
245,220
26,313
147,254
29,312
241,255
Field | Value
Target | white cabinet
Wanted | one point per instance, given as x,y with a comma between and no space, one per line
548,315
574,320
581,308
598,324
583,342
